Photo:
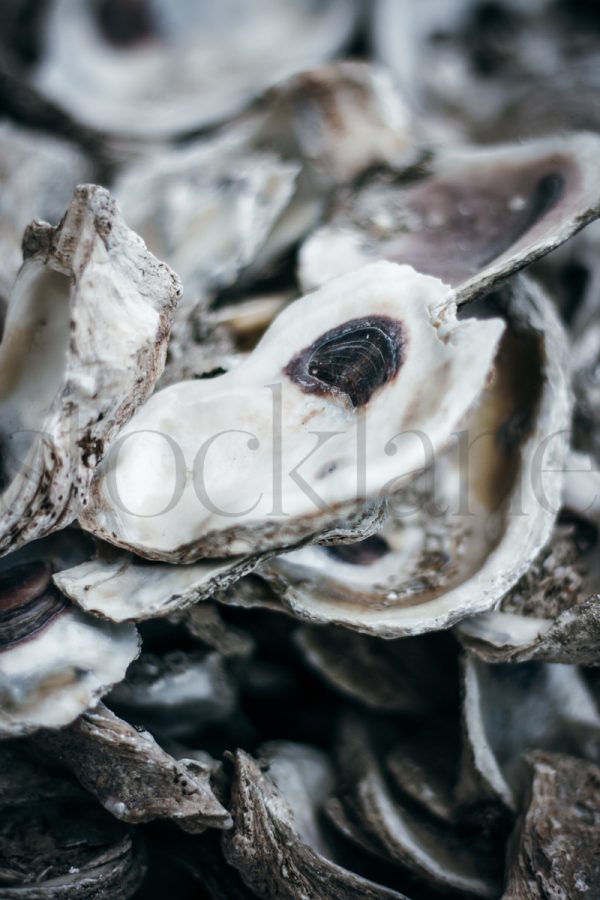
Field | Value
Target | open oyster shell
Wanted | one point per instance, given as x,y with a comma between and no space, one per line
554,851
93,309
38,175
435,558
153,69
132,776
352,381
54,842
471,217
55,660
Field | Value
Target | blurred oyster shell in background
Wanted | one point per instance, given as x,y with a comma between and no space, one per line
471,216
152,68
38,175
84,342
508,69
509,710
225,210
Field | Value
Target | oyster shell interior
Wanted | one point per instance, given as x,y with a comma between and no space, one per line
150,69
318,370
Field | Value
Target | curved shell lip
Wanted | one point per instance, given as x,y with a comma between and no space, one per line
89,388
69,688
121,587
342,246
49,678
501,569
140,114
434,335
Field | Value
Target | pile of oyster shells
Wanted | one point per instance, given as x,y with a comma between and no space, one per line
299,575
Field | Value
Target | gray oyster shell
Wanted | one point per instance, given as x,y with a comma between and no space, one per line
366,808
84,342
276,843
131,775
509,710
54,843
554,850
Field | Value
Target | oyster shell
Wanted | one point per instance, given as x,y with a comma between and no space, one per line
177,693
276,843
38,175
132,776
226,208
366,809
54,843
319,370
472,217
436,557
554,849
153,69
414,677
207,207
92,309
509,710
552,614
499,69
55,660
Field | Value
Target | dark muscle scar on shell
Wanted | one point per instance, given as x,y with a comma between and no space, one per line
28,602
353,360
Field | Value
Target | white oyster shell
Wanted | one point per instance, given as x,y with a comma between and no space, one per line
438,560
296,453
38,175
174,67
84,342
474,215
49,677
